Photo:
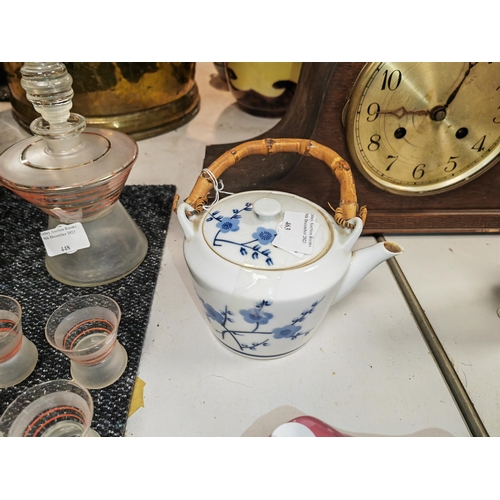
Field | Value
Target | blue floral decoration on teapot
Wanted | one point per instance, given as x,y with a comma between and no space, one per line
257,316
261,237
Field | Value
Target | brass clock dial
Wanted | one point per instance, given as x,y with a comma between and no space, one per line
424,128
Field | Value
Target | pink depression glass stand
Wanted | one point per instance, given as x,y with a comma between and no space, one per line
75,175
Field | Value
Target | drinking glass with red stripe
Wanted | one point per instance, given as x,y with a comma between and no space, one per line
18,355
85,330
58,408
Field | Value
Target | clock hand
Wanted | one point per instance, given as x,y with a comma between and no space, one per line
402,111
438,113
455,92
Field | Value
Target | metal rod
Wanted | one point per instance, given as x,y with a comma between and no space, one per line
462,400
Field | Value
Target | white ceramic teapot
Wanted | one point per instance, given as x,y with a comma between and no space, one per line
267,265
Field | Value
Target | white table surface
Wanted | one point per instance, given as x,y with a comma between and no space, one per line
367,369
460,293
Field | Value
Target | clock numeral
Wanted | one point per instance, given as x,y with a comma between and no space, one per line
496,120
418,171
374,142
391,81
372,111
479,146
392,162
446,169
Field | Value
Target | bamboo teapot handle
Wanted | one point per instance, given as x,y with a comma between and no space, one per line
348,201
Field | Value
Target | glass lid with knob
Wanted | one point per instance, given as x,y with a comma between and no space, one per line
62,156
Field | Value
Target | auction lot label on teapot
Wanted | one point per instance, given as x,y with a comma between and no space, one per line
65,238
295,233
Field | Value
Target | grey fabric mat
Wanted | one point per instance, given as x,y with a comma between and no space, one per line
23,276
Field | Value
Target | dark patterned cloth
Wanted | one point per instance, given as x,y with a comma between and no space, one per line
23,276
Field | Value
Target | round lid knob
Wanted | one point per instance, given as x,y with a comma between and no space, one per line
267,208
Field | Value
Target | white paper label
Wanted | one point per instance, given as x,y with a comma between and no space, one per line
65,238
295,233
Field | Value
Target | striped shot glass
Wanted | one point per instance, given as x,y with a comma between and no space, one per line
85,330
58,408
18,355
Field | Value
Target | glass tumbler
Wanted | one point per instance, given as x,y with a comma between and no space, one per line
58,408
18,355
85,330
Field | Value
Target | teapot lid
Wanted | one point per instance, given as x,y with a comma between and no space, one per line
267,230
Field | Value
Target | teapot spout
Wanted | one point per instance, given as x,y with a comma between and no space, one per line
363,262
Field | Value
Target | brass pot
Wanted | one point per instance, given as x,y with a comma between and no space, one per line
141,99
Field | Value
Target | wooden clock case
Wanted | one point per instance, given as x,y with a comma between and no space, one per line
316,113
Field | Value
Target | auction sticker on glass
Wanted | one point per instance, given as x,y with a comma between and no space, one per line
65,238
